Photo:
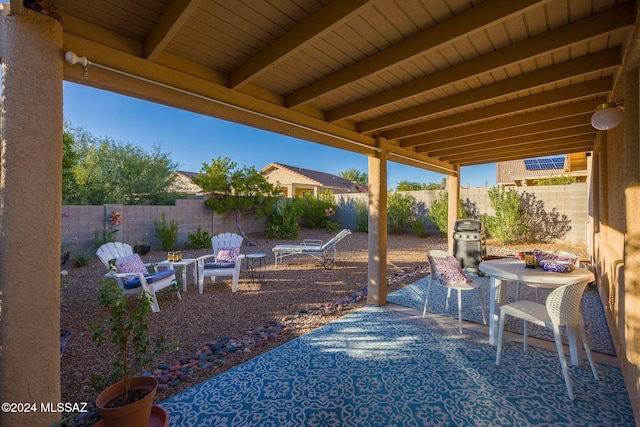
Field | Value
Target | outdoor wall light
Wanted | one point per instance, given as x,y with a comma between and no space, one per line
607,116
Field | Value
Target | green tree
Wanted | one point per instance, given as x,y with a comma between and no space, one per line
416,186
240,191
69,159
106,171
354,175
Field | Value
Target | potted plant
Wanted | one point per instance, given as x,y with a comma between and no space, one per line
144,247
129,401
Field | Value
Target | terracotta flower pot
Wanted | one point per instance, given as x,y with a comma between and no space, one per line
135,414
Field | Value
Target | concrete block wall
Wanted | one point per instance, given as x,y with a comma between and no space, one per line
80,223
570,200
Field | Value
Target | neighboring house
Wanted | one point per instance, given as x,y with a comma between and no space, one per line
296,182
183,184
522,173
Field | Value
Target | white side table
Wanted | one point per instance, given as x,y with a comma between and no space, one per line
184,263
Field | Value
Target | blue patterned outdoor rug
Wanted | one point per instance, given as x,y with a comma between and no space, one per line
413,296
380,367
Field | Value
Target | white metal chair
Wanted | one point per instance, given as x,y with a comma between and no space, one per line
538,286
446,272
132,283
562,308
222,244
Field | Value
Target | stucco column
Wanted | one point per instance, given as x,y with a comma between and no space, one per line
454,206
30,209
377,273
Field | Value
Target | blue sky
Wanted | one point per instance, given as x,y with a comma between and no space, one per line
193,139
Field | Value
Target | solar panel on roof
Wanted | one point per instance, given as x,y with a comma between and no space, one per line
546,163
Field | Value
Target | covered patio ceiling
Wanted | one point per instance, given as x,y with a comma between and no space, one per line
440,83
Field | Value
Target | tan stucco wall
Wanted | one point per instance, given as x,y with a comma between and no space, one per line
615,212
31,52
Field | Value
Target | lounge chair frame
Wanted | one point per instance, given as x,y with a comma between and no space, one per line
325,252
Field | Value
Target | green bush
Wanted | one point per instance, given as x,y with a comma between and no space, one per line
438,214
167,232
316,211
510,224
361,216
399,211
282,222
198,240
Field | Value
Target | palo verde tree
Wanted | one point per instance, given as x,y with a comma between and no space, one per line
354,175
98,171
240,191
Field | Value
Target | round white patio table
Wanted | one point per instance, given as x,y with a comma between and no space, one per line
508,270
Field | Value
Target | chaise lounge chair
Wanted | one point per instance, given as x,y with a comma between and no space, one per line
314,247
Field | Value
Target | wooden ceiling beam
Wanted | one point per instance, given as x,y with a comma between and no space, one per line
600,61
572,145
591,88
611,19
171,21
473,20
314,27
551,118
511,143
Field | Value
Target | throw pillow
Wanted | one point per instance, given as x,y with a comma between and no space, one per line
448,270
548,256
131,264
227,254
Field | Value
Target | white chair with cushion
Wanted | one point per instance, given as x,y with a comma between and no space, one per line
562,308
446,272
225,261
551,256
131,274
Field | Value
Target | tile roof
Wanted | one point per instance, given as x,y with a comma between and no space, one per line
322,178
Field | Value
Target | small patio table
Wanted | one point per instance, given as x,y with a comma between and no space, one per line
507,270
183,263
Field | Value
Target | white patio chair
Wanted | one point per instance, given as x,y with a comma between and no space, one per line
562,308
222,262
134,282
538,286
446,272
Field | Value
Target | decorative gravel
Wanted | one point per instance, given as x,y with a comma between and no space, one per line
210,333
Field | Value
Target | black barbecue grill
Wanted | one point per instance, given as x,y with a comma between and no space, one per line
469,244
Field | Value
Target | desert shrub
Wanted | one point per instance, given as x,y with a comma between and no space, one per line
361,216
198,240
167,232
318,211
556,180
282,222
82,257
399,211
419,227
438,214
510,224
